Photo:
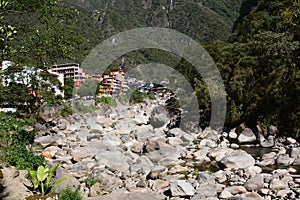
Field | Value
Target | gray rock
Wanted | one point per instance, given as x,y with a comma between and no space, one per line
220,176
246,136
296,161
137,147
142,165
14,184
159,117
268,159
208,133
219,152
232,135
128,196
187,138
291,140
124,126
105,122
141,120
225,194
238,159
208,143
177,132
285,160
295,153
80,153
92,123
252,196
205,178
158,185
272,130
255,184
236,189
70,180
277,184
63,124
143,133
157,172
45,141
115,161
268,142
170,162
205,191
174,141
182,188
253,171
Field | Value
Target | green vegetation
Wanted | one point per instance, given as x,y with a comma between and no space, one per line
139,97
65,111
16,136
88,88
68,194
42,179
82,108
69,88
259,68
89,182
43,42
106,100
200,19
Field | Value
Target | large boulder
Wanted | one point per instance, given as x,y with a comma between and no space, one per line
182,188
238,159
159,117
284,159
256,183
45,141
115,161
246,136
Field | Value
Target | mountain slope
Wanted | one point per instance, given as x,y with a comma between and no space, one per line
200,19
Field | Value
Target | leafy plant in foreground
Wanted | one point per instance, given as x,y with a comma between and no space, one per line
42,179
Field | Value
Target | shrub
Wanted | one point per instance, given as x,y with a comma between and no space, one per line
106,100
65,111
139,97
22,158
15,136
68,194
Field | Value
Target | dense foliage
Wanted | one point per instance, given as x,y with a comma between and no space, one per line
201,19
69,194
260,66
16,135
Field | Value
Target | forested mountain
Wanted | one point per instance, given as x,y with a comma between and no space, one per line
203,20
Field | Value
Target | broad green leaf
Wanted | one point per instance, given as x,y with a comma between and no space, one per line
33,177
42,173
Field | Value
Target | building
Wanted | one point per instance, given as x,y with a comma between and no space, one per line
112,83
69,70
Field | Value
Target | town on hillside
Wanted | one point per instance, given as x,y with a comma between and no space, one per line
109,84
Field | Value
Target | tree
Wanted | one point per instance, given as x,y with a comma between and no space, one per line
260,67
69,88
47,40
88,88
6,32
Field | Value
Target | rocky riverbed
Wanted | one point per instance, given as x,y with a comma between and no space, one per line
127,152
